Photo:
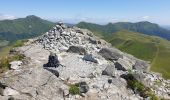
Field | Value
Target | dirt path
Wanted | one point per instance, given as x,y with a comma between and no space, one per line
156,55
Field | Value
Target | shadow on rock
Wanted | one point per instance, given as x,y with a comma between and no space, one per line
55,72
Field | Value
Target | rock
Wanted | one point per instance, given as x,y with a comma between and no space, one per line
63,49
93,41
77,49
15,65
66,92
11,98
118,66
13,51
109,70
90,58
52,61
109,54
2,87
125,63
141,65
8,92
109,81
83,87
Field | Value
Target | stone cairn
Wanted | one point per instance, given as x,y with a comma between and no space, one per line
61,37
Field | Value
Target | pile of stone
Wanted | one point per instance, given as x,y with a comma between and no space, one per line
61,37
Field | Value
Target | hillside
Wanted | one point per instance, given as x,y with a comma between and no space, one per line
149,48
141,27
21,28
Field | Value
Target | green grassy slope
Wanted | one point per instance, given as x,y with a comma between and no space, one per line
149,48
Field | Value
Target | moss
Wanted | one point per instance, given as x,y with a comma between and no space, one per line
74,90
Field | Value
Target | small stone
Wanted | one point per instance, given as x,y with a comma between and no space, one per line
15,65
66,92
109,81
90,58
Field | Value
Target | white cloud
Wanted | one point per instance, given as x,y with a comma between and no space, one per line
146,17
4,17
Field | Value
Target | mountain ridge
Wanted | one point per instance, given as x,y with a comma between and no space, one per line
143,27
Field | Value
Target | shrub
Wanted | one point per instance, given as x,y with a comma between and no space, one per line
74,90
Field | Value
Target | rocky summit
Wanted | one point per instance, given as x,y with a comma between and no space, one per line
69,63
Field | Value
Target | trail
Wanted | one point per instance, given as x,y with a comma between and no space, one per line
156,55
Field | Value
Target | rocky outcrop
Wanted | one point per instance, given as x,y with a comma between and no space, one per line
109,70
90,58
77,49
67,56
110,54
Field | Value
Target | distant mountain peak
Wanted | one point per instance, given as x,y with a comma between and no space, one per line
33,17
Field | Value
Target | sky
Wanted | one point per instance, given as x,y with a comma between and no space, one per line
96,11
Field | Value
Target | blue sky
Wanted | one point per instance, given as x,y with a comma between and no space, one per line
98,11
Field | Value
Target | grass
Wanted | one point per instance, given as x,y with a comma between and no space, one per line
4,51
149,48
19,43
74,89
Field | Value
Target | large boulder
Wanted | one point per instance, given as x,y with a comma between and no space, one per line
77,49
109,54
52,61
109,70
90,58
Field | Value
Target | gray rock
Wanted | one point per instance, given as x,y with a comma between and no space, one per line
83,87
90,58
93,41
141,65
77,49
109,54
109,70
118,66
